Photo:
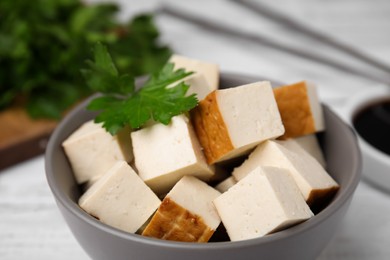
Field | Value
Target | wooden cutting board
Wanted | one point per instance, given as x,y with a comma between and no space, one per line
21,137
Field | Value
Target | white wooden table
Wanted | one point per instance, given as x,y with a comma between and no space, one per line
30,224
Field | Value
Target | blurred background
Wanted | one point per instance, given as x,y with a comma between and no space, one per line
30,224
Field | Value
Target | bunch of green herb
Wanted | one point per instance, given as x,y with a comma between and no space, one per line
160,98
43,44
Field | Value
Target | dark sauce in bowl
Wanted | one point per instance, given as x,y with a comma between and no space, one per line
373,124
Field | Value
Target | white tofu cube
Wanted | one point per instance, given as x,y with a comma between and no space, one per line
300,109
226,184
91,150
165,153
120,199
198,85
231,122
313,181
265,201
208,71
311,145
186,214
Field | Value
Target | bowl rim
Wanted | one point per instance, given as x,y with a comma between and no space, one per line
341,198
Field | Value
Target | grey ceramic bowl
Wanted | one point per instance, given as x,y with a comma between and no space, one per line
304,241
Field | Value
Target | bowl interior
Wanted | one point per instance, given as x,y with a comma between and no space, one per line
338,142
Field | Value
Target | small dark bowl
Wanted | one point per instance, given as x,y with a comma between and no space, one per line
304,241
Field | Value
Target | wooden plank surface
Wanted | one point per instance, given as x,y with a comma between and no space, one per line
21,137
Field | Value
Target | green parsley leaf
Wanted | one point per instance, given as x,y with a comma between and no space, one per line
103,75
41,51
162,97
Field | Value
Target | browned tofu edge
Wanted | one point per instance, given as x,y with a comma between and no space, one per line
294,107
211,129
173,222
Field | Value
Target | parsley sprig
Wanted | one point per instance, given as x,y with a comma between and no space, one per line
43,43
162,97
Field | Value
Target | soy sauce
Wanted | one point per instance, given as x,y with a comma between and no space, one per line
373,125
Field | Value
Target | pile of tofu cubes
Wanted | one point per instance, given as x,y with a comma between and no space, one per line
157,181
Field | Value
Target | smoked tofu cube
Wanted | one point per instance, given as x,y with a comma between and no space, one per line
311,145
207,70
186,214
91,150
300,109
226,184
265,201
165,153
120,199
231,122
315,183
